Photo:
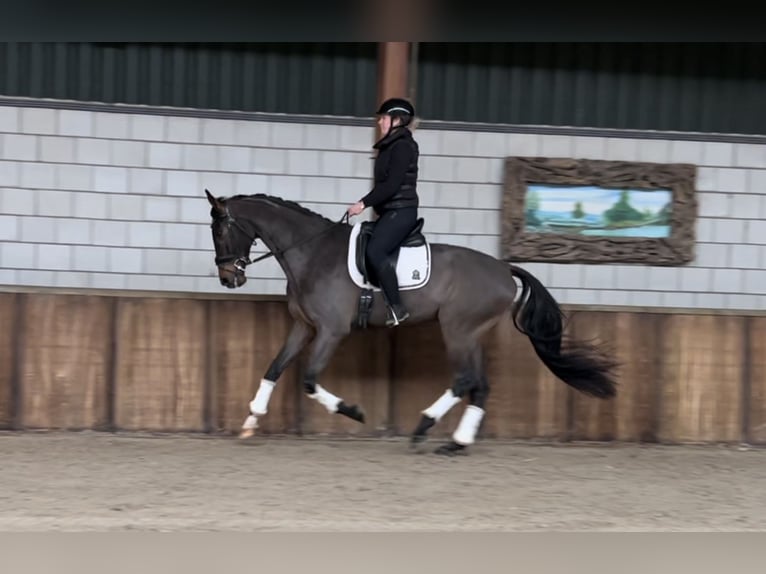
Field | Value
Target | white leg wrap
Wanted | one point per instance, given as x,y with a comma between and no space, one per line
469,424
327,399
442,405
259,405
251,423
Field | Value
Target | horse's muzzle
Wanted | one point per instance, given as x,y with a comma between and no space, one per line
232,279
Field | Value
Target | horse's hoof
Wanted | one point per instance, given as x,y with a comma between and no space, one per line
417,443
450,449
248,427
418,440
353,412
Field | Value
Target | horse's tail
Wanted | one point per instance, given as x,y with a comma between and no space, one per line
581,365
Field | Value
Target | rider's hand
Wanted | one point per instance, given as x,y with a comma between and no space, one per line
356,208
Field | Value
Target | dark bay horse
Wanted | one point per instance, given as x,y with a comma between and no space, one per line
466,291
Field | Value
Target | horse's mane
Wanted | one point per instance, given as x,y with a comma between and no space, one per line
292,205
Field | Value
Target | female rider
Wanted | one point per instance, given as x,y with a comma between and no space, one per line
394,198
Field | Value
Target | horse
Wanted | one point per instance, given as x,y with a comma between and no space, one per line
330,293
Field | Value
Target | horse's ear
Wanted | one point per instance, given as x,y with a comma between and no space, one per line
217,205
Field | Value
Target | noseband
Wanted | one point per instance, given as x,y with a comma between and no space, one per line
242,261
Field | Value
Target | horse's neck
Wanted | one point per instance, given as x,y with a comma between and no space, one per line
280,227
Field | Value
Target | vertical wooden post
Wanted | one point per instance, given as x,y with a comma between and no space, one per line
393,62
393,81
393,71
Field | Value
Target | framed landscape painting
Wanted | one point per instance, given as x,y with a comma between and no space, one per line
596,211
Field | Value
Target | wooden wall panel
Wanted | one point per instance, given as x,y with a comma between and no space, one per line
702,373
8,335
358,373
194,365
161,364
65,365
639,339
525,399
246,336
592,418
632,415
756,430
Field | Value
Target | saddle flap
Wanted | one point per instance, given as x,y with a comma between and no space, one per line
365,232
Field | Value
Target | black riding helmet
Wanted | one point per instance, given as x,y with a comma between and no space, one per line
397,108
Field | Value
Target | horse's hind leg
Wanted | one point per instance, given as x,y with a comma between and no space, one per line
299,335
465,433
323,347
466,359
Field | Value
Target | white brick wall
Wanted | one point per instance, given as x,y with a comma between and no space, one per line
731,252
115,201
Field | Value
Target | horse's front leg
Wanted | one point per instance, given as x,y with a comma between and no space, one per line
325,344
299,335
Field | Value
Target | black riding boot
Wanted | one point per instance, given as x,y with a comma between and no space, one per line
390,286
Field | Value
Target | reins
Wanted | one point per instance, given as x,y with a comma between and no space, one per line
242,262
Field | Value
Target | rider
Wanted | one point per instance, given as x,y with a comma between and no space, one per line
394,197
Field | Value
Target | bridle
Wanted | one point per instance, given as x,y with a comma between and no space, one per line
242,261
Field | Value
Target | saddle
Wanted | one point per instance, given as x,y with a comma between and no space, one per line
414,238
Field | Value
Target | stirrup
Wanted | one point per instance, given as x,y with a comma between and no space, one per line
394,320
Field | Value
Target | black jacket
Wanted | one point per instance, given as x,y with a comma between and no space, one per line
395,173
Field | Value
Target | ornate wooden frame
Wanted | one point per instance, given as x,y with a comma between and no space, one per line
519,245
